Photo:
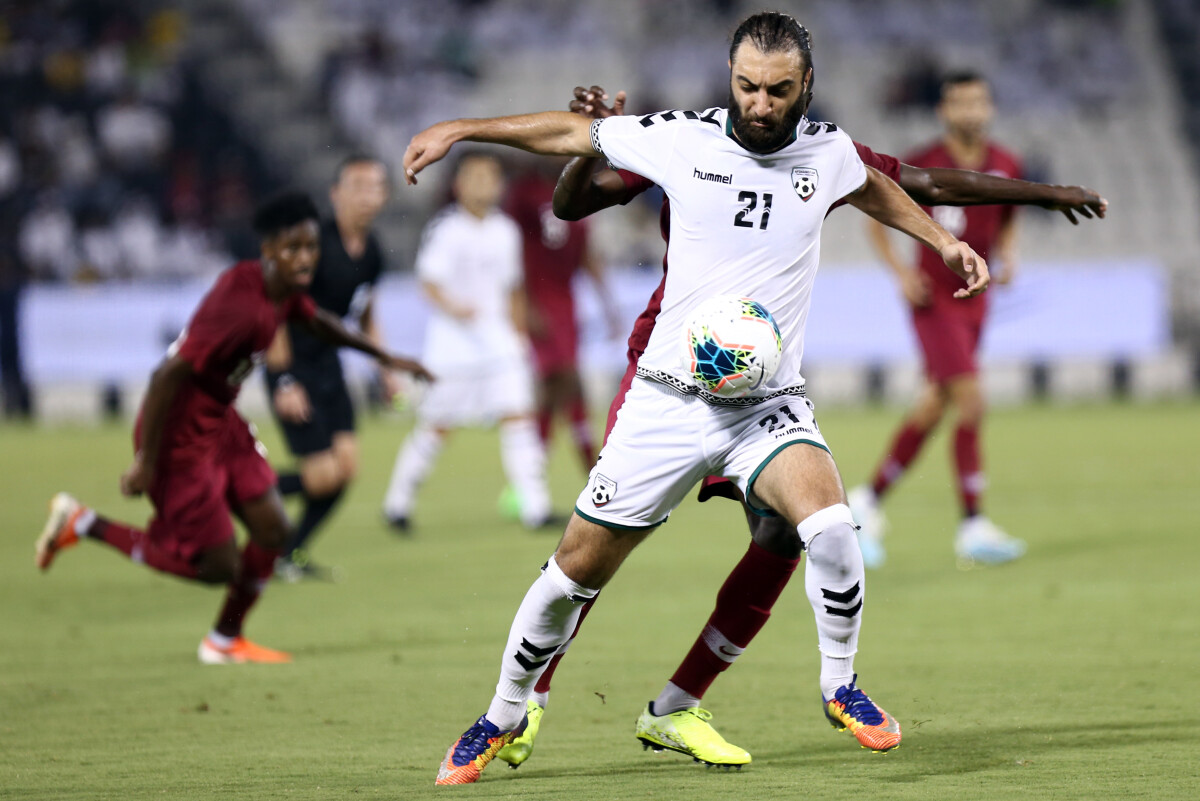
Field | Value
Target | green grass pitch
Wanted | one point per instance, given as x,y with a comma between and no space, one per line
1072,674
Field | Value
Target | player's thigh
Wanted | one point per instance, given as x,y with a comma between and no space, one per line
965,392
345,447
265,519
191,510
780,460
590,554
321,473
247,473
948,339
654,455
773,534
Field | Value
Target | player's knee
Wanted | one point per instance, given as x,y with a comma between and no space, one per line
774,535
218,567
832,542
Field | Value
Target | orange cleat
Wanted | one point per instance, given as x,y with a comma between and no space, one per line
472,752
850,708
240,651
59,531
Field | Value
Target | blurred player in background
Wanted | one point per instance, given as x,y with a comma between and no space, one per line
308,391
196,457
949,330
745,600
469,266
553,251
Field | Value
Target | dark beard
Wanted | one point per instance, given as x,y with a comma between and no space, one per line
765,140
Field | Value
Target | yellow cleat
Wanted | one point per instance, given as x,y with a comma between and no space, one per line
516,752
689,732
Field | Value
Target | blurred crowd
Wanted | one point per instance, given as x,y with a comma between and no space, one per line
112,166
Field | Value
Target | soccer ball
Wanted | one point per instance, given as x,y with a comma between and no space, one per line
731,346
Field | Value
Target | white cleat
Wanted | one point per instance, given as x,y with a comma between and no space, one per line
871,526
979,540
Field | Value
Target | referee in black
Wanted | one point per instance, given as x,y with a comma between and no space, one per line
304,374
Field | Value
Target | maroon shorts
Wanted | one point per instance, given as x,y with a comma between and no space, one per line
711,486
949,338
192,496
557,350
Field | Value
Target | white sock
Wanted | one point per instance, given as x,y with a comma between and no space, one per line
524,459
220,640
413,464
673,699
834,581
543,623
87,519
541,699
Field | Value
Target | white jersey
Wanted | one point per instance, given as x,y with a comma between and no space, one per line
476,263
741,223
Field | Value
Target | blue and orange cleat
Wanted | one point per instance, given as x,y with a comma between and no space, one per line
472,752
851,708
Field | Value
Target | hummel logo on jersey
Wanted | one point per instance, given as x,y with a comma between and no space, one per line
603,489
712,176
804,181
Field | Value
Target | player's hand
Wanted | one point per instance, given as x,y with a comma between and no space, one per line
1072,200
391,385
967,265
292,404
135,480
415,368
428,146
590,103
916,288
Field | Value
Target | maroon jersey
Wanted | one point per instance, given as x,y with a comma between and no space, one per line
227,335
553,248
636,184
978,226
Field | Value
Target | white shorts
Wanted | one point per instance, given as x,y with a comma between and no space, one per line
664,442
480,396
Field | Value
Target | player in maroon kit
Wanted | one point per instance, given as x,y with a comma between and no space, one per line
949,330
745,600
554,250
195,456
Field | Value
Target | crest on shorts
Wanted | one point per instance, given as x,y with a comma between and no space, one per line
804,181
603,489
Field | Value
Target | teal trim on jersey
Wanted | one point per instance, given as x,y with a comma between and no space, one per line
607,524
729,133
767,461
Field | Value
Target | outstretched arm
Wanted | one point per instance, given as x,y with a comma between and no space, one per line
329,327
886,202
939,186
547,133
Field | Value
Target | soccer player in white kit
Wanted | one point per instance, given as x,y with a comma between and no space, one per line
749,187
469,267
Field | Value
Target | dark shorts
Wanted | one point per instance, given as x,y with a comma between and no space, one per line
193,497
332,413
949,339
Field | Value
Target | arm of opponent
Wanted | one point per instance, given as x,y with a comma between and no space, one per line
369,323
288,395
880,198
547,133
586,186
329,327
946,187
164,385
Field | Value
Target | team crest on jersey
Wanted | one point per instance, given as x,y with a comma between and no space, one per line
603,489
804,181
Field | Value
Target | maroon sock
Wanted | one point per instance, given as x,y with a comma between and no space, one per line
137,545
582,431
969,465
545,423
743,606
905,448
257,565
543,682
